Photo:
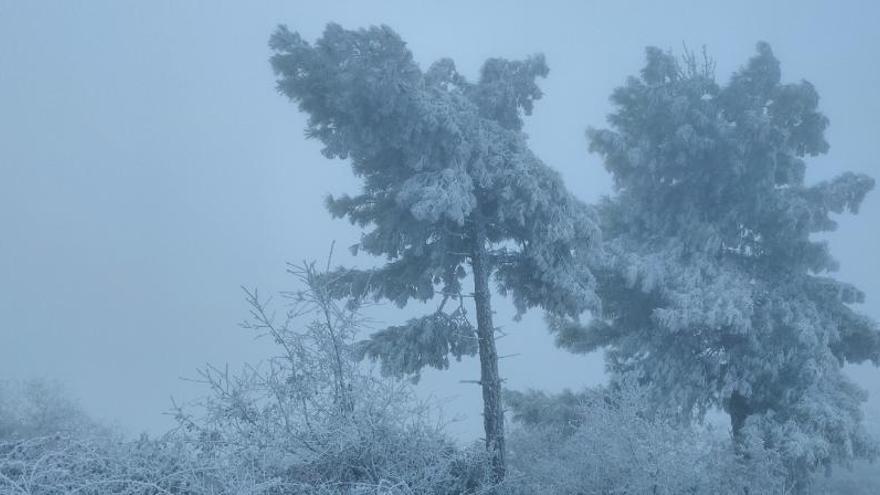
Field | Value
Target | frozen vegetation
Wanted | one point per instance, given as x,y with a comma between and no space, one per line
699,277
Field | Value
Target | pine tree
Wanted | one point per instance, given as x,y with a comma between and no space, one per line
450,190
714,289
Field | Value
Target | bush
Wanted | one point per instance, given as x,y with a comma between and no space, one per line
608,441
40,407
311,419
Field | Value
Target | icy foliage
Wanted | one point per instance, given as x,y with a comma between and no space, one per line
612,441
312,416
309,420
434,151
449,189
91,465
715,295
713,287
38,408
425,341
312,421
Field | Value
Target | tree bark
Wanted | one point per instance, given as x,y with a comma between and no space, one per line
490,381
738,409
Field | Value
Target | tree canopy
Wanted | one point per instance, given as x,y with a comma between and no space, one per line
450,190
715,289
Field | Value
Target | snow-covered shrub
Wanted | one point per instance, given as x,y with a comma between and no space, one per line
40,407
608,441
313,418
48,445
812,437
98,464
310,420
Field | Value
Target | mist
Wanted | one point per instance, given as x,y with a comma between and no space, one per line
150,170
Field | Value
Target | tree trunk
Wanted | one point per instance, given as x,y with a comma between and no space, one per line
493,414
738,408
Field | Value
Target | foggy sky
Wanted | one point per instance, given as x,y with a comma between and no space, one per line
148,169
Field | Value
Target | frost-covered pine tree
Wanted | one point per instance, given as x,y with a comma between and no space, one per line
450,190
714,289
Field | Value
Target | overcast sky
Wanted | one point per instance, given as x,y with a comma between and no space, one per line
148,168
